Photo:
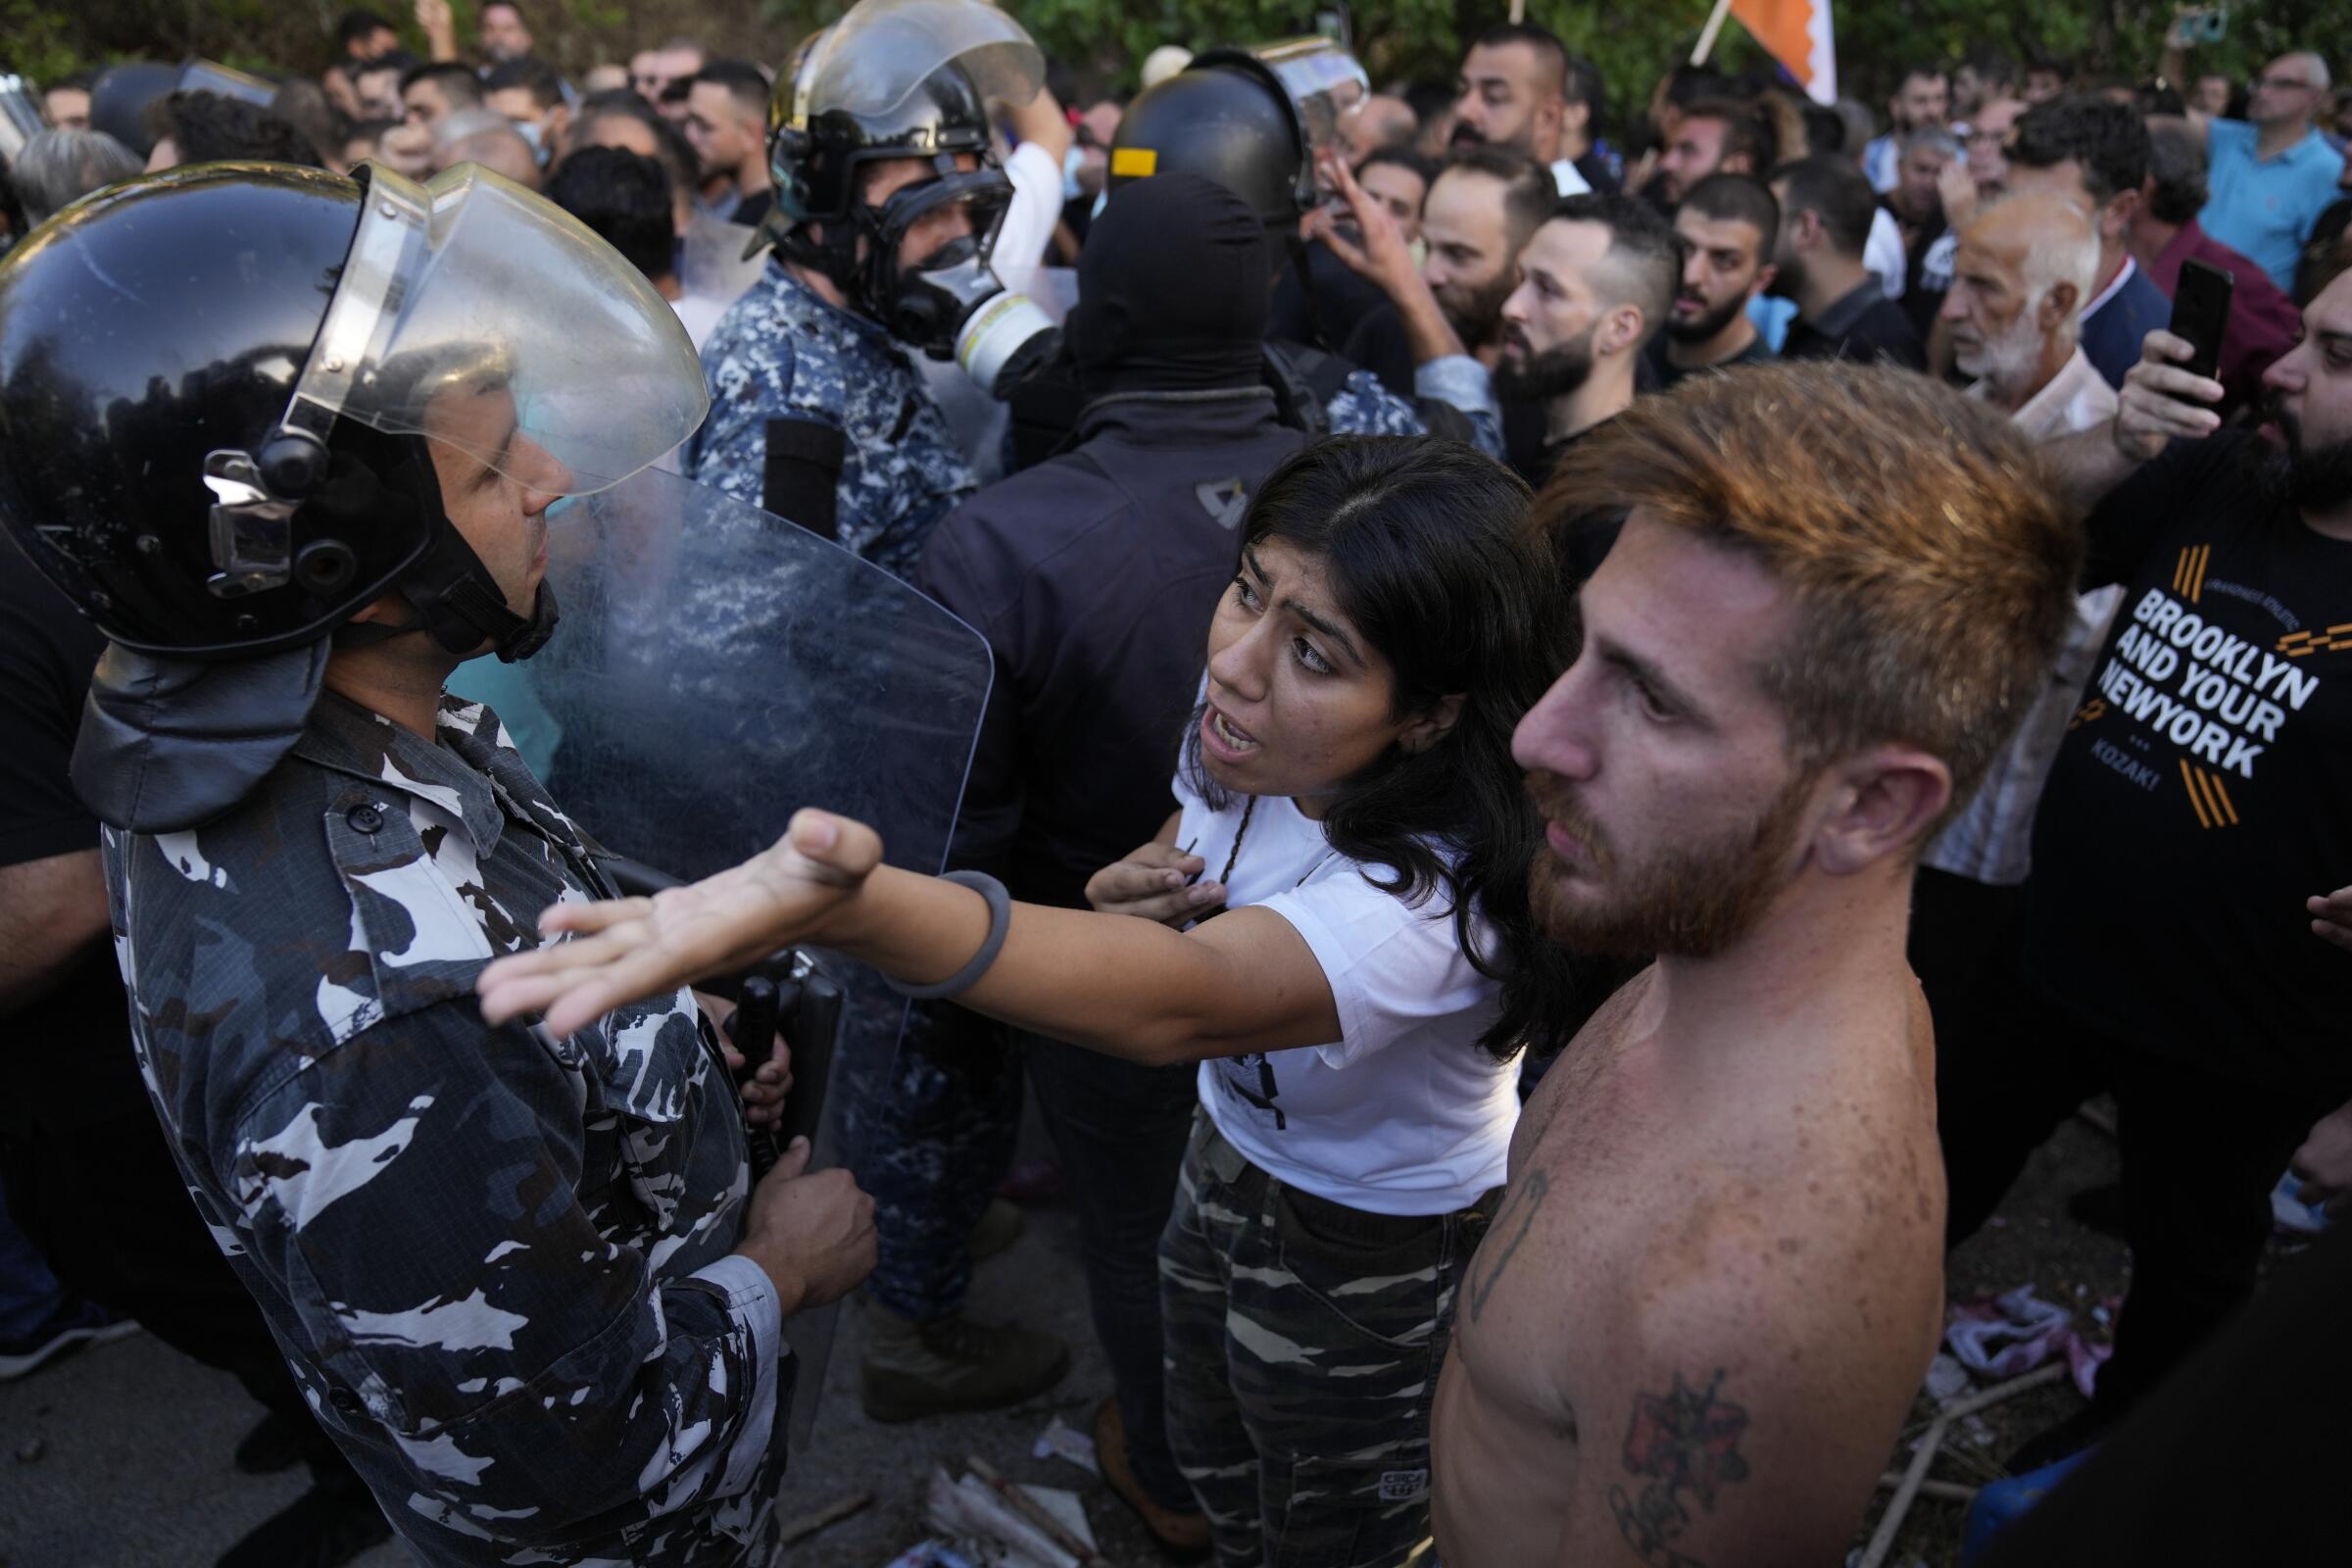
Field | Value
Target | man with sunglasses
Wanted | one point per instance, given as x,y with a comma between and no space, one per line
2272,173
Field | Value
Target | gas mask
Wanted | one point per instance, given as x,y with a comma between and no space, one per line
950,302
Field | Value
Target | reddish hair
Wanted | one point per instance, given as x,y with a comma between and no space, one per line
1933,565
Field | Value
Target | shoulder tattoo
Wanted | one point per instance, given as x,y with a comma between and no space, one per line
1683,1444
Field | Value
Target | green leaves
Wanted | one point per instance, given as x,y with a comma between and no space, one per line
1106,40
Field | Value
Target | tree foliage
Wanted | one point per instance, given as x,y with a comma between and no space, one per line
1103,41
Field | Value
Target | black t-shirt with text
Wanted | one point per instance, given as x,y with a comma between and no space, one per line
2204,790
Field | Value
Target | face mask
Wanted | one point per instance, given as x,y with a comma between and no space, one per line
529,131
1071,162
951,304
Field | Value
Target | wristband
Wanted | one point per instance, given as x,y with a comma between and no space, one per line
1000,921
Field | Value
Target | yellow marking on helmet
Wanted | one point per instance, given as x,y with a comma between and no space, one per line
1134,161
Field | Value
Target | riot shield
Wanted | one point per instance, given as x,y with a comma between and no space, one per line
717,668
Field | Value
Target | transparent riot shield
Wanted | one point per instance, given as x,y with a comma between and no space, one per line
717,668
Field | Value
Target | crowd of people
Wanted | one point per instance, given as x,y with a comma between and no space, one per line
1599,719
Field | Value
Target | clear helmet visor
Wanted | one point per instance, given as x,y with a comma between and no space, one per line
1325,82
874,58
487,319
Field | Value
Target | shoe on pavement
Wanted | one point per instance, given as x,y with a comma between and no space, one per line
75,1324
273,1444
917,1369
324,1528
1180,1534
1001,1225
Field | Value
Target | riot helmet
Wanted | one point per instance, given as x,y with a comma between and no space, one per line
234,399
908,79
217,386
1250,119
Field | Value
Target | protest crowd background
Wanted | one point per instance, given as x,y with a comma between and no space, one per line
1148,305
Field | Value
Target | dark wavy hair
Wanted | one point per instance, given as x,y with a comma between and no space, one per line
1426,547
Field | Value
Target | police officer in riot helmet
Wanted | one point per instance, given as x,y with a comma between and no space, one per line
888,200
1252,121
523,1283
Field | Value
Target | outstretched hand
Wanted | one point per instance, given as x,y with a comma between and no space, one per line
626,950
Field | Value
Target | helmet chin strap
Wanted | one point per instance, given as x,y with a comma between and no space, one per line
458,605
455,598
833,257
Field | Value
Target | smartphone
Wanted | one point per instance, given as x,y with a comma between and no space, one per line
2201,312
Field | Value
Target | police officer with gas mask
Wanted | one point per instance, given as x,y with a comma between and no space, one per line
292,442
887,202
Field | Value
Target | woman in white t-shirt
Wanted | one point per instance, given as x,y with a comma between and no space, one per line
1355,975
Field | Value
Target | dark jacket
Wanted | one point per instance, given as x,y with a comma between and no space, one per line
1094,578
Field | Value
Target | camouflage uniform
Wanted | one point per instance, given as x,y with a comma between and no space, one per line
781,352
499,1264
1364,407
1304,1343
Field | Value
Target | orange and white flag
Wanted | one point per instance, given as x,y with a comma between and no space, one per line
1797,33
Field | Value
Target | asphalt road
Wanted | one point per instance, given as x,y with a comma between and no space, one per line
118,1456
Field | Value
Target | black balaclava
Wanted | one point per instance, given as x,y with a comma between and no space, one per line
1172,290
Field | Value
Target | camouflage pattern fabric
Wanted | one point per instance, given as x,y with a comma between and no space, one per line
498,1263
1304,1343
781,352
930,1132
1364,407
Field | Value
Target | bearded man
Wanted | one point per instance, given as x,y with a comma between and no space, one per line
1694,1329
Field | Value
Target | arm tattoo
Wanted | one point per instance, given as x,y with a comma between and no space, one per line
1525,1200
1685,1441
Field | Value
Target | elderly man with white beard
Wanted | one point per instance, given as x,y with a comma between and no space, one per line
2021,272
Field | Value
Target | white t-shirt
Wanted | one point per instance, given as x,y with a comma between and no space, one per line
1404,1113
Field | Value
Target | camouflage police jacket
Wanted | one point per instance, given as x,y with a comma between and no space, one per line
781,352
499,1262
1364,407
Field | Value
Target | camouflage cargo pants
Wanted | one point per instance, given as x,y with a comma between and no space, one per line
1303,1342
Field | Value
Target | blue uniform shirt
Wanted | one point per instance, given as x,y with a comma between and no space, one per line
781,352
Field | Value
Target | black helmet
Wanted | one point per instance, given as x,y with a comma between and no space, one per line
214,385
1227,118
227,397
140,333
814,158
817,159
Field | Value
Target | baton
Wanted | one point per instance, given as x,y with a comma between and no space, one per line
752,1028
815,1030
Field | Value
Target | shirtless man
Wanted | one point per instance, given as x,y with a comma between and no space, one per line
1698,1322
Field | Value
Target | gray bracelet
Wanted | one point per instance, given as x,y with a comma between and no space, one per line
1000,921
